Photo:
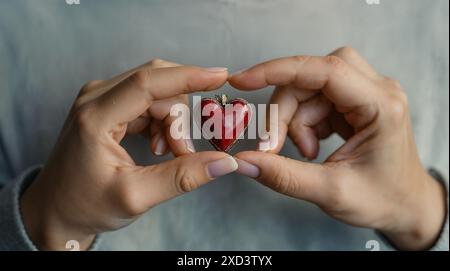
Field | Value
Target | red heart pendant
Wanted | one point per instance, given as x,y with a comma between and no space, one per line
235,116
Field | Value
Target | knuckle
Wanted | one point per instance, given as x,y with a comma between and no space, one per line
79,102
141,78
283,181
90,86
280,182
184,181
396,101
301,58
336,63
402,99
398,106
345,52
393,83
83,118
156,62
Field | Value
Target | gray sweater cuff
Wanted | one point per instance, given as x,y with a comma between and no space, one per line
442,242
13,235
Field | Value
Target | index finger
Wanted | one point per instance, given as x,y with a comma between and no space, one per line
340,82
135,94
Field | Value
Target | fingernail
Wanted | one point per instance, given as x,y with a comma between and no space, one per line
222,167
264,146
216,69
190,145
160,146
247,169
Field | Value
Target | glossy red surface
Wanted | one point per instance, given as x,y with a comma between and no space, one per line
234,121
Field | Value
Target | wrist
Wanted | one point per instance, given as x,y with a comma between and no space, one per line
44,225
421,218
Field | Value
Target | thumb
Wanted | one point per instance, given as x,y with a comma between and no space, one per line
291,177
184,174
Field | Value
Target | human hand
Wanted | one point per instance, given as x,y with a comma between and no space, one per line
375,179
90,184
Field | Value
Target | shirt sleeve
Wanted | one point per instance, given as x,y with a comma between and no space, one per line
442,243
13,235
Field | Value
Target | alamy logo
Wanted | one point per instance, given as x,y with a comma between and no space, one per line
373,2
373,245
73,245
72,2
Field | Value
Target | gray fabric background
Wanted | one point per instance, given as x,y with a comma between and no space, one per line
48,49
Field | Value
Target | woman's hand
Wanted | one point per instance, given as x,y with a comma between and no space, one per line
90,184
375,179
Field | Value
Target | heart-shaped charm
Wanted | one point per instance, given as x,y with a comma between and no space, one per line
233,115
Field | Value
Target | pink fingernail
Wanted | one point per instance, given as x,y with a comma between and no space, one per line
216,69
222,167
247,169
267,143
264,146
160,146
190,145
